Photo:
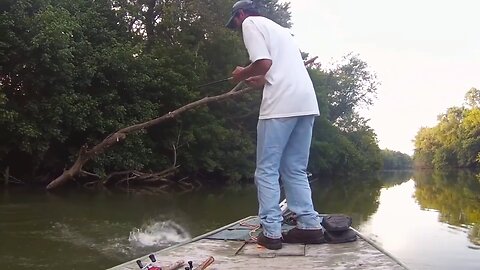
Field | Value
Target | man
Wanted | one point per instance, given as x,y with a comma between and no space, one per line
284,129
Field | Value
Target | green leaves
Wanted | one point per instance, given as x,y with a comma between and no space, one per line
350,85
74,71
394,160
343,143
454,141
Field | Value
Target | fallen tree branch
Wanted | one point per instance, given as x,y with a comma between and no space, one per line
140,178
85,154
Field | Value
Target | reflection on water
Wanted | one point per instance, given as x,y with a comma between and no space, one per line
456,195
427,220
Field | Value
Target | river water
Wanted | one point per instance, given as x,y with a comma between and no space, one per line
427,220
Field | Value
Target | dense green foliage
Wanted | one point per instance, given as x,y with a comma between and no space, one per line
455,141
343,142
394,160
74,71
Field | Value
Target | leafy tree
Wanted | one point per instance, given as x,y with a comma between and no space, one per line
469,141
425,143
343,142
394,160
454,141
275,11
74,71
53,81
350,85
472,98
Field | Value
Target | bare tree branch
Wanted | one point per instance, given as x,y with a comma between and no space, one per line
86,154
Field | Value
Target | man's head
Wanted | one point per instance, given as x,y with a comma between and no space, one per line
241,10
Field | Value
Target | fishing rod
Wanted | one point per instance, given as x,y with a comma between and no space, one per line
215,82
306,63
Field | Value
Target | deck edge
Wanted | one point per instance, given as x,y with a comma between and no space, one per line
382,250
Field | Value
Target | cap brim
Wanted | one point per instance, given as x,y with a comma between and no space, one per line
231,23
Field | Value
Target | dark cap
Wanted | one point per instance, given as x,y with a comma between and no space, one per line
242,4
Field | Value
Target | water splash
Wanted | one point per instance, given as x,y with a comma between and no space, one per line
158,233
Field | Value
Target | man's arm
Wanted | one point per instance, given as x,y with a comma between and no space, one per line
259,67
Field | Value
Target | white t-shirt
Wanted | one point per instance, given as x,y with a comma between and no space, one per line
289,89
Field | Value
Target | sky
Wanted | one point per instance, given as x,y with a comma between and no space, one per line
425,53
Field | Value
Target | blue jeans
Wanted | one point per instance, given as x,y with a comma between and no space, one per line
283,147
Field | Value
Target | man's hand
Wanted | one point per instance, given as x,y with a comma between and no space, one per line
256,81
259,67
237,74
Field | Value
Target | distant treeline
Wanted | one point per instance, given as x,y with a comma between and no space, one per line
455,141
395,160
74,71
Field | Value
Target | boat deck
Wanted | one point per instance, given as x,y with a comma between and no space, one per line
230,248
